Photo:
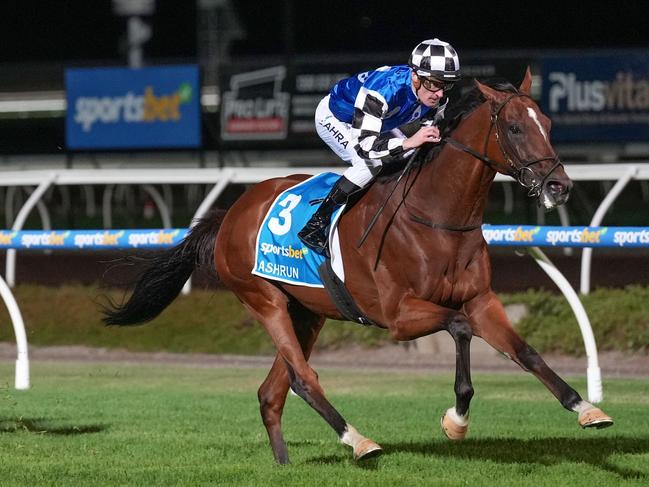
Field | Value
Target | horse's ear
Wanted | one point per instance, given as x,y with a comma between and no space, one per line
526,84
488,92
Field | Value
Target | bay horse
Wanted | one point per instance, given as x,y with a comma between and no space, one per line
433,272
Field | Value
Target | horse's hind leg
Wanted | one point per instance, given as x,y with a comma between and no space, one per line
491,323
270,307
272,393
272,396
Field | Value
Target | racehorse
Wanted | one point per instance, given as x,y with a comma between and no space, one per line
429,270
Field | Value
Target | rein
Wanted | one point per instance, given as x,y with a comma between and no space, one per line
404,171
523,173
442,226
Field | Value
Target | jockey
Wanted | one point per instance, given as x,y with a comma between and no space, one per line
360,118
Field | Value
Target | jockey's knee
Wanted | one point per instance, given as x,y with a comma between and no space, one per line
361,174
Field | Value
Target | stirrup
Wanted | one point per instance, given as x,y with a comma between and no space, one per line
315,239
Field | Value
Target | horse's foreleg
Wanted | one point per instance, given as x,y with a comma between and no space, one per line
272,393
490,322
455,422
419,318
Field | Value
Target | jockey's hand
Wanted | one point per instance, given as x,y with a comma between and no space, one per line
423,135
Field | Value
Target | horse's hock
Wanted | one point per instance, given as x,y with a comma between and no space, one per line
443,344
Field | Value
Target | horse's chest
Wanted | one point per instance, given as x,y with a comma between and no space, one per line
453,277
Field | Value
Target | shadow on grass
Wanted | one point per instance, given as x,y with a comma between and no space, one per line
46,427
546,451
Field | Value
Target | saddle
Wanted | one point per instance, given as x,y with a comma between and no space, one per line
281,256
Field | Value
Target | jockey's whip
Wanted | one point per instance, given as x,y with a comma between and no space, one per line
385,202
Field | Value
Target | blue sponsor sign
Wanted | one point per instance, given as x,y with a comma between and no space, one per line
123,108
537,236
597,98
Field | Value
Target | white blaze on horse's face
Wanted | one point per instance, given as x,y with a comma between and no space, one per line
535,119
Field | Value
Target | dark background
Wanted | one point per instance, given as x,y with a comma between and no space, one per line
84,30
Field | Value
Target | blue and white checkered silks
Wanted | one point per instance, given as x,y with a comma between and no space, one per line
280,255
436,58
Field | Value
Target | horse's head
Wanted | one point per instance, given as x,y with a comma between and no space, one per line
519,139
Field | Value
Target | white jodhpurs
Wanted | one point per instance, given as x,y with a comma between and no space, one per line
337,135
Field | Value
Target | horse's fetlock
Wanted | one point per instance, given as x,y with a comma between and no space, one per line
571,400
464,392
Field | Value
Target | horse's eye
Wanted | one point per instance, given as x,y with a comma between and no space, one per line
515,129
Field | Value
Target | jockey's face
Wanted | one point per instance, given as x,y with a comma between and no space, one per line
427,90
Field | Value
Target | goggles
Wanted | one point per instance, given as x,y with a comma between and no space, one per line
435,85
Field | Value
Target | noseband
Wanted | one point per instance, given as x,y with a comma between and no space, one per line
523,172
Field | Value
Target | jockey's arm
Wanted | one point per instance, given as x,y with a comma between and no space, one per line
369,109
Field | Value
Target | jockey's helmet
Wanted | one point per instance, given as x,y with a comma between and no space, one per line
436,59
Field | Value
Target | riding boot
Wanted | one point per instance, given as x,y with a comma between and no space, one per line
314,233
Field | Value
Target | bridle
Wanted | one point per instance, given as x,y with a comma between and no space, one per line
523,172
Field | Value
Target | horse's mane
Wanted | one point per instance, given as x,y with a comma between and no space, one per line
455,113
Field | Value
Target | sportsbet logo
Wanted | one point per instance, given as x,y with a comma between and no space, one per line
289,251
576,236
510,234
6,238
131,108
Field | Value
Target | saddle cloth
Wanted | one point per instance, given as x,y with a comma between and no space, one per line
279,254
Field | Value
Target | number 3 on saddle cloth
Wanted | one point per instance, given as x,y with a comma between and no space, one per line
281,256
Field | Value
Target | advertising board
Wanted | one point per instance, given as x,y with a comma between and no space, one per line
597,98
124,108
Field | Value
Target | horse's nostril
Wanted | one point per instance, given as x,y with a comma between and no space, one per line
556,187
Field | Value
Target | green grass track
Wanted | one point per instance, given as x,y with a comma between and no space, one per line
157,425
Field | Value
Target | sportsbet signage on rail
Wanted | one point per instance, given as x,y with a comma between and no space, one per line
91,239
530,235
122,108
500,235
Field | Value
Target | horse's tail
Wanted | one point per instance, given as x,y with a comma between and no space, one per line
164,275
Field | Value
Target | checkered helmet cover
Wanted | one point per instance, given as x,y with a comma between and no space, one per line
437,59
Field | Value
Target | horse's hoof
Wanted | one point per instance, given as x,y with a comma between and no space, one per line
451,429
595,418
366,449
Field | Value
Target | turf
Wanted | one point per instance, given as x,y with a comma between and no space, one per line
104,425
